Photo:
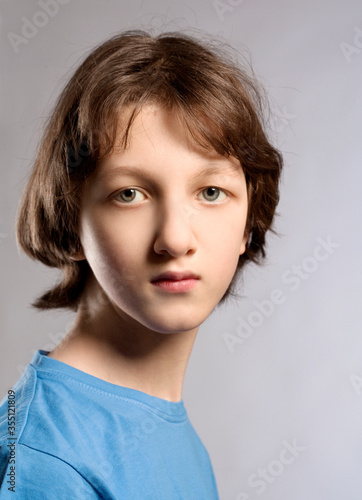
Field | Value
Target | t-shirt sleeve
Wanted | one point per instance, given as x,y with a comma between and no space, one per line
39,475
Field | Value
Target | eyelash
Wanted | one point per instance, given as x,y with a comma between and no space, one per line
135,189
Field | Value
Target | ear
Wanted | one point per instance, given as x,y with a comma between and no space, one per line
243,243
77,256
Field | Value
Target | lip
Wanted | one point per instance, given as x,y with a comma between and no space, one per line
176,282
175,276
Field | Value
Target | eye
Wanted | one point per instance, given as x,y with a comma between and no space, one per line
128,195
213,193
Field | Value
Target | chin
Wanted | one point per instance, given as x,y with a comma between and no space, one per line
174,323
168,318
174,326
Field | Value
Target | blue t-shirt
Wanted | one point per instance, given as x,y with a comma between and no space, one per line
77,436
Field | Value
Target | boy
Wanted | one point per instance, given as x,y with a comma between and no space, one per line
154,184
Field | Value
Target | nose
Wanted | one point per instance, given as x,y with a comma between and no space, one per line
175,229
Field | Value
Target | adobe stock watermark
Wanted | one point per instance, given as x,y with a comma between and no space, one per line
293,278
141,434
281,118
223,7
356,382
264,476
351,49
31,27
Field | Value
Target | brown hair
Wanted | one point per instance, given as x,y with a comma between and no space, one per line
219,103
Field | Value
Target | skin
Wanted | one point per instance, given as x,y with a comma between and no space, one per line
127,331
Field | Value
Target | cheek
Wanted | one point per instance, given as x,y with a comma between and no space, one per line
113,243
225,254
225,234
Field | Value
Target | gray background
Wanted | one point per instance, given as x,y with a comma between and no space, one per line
298,374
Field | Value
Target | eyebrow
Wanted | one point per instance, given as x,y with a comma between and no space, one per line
230,169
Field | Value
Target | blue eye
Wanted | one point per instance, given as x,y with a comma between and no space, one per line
128,195
213,193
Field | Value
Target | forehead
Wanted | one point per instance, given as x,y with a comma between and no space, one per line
155,131
155,120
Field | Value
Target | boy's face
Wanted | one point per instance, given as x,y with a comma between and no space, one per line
153,208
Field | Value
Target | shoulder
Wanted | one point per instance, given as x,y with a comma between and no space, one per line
41,453
31,418
37,475
15,405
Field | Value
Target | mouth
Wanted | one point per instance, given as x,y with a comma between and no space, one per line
175,276
171,281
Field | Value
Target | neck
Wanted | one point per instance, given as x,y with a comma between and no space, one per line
110,345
